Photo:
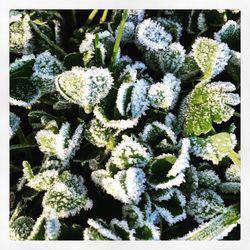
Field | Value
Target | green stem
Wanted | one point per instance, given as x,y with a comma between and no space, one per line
22,146
22,141
104,16
51,44
118,38
91,16
235,158
20,206
236,114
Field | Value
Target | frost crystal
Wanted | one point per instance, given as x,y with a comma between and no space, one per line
14,124
164,94
204,205
85,87
45,69
128,153
150,35
67,196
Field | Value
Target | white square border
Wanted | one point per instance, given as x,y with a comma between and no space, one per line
243,5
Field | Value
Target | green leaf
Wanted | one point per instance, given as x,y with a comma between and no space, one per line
215,147
206,104
22,92
73,59
218,227
211,56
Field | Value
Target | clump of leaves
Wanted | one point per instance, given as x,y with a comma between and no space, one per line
124,128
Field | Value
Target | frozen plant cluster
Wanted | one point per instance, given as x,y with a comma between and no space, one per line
126,127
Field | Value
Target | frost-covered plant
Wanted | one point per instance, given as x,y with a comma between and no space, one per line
164,95
60,145
204,204
85,87
14,124
127,127
45,68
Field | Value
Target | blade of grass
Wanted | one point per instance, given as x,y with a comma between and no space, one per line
118,38
104,16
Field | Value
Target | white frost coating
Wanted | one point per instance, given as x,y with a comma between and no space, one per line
87,43
182,161
139,101
201,22
232,173
229,27
124,225
135,183
102,230
116,124
19,62
165,94
129,153
128,33
52,227
170,120
149,128
152,36
14,124
43,181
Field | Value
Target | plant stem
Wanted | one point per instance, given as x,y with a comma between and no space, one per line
73,17
104,16
20,206
57,49
22,146
235,157
236,114
91,16
118,38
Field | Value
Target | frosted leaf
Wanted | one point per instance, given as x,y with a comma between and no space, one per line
60,144
208,179
67,196
52,227
213,148
100,135
167,170
99,230
209,103
126,186
232,173
85,87
201,22
230,34
133,215
21,228
122,229
21,37
121,124
23,93
170,120
14,124
218,227
171,206
211,56
188,69
21,64
233,67
150,35
172,27
45,69
164,94
172,58
230,187
44,180
128,153
158,135
148,231
204,204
